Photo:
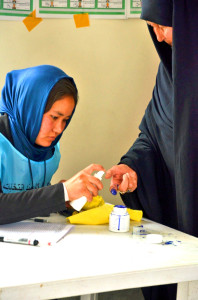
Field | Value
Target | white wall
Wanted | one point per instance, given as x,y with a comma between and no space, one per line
113,63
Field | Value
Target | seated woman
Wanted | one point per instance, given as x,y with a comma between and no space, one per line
36,106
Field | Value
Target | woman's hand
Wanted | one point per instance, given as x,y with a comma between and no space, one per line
124,179
84,184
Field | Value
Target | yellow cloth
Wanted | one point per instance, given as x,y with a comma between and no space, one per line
94,216
135,215
100,215
96,202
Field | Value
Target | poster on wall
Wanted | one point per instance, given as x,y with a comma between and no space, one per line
134,8
103,9
68,8
15,9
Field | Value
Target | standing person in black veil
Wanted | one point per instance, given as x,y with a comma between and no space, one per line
159,173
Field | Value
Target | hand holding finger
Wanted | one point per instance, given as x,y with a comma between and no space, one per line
132,181
129,183
123,187
119,178
95,181
84,184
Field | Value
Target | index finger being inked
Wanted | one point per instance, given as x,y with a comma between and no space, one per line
116,171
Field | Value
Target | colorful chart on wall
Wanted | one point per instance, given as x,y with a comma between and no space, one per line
67,8
111,9
15,9
134,8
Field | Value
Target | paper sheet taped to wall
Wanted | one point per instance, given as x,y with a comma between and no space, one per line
31,21
81,20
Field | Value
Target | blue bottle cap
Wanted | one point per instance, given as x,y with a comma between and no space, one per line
120,206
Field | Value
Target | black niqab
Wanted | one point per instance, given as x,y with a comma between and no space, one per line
165,155
167,148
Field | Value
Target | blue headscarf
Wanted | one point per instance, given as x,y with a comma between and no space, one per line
24,97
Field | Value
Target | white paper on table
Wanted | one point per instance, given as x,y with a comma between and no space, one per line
45,233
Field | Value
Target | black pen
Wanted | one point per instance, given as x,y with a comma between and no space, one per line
22,241
39,220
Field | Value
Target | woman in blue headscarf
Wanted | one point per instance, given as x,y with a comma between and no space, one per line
36,106
159,172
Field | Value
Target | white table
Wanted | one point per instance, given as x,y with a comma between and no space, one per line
91,259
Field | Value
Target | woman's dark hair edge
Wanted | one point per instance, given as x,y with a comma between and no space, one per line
64,87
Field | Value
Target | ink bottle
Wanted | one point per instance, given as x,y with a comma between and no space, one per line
119,219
